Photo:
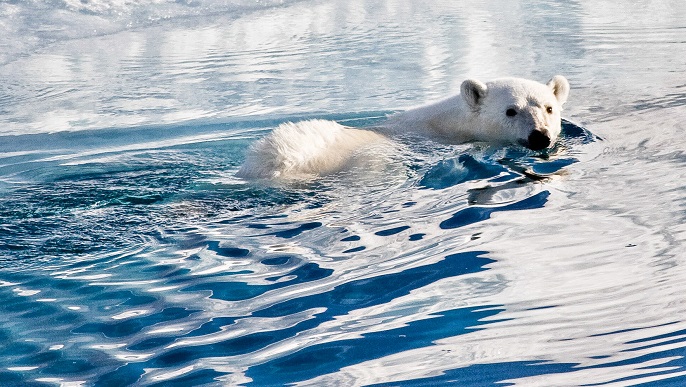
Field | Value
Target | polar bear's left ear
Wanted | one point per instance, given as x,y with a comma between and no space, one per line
473,92
560,88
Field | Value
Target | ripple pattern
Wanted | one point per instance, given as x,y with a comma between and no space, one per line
130,254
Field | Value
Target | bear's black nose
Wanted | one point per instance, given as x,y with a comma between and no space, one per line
538,140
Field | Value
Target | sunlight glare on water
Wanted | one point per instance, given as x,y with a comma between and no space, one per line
130,254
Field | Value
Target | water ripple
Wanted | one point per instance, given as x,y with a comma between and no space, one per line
130,254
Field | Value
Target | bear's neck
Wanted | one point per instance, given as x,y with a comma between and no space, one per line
451,119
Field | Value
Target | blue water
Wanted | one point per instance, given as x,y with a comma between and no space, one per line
130,254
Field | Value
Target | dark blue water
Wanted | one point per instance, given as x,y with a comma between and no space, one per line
130,254
134,259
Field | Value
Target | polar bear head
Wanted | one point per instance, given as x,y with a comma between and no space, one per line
518,110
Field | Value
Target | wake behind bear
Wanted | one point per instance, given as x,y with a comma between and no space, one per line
503,111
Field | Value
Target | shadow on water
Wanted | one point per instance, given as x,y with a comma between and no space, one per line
502,171
330,357
235,291
130,254
309,361
476,214
354,295
380,289
71,208
511,164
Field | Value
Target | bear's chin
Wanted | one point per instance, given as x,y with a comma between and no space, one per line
534,147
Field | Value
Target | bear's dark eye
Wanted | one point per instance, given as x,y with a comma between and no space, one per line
549,109
510,112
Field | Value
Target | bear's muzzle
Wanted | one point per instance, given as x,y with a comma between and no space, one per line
538,139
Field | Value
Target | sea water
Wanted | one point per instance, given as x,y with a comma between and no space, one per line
130,254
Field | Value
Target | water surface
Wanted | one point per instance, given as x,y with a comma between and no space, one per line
131,255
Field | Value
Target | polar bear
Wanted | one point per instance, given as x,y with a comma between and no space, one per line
503,111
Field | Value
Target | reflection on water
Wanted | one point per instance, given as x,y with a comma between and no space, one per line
124,231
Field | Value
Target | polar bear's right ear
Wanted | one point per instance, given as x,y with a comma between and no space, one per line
560,87
473,92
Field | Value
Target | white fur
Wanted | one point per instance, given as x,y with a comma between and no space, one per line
460,118
479,113
305,148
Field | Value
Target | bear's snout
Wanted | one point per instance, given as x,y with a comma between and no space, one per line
538,140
